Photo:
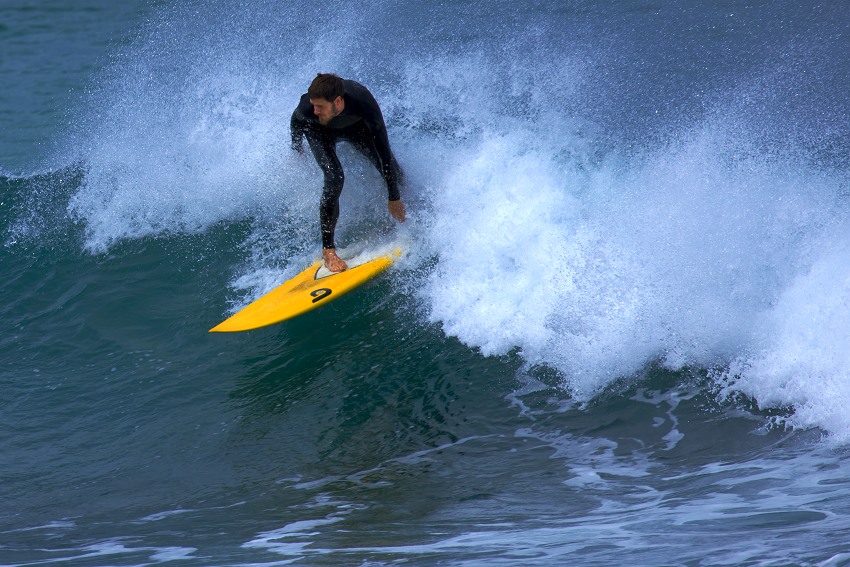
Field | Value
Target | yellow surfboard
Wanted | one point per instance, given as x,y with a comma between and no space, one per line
310,289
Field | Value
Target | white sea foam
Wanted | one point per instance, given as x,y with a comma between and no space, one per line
690,255
184,131
166,165
700,252
802,360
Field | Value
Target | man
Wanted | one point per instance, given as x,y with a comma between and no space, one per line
335,109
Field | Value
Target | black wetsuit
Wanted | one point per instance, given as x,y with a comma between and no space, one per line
360,123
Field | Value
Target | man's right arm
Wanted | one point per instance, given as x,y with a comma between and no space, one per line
296,128
298,125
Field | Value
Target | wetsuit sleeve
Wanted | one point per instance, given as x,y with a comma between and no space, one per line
382,144
371,113
298,123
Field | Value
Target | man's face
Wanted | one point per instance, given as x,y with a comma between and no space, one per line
326,110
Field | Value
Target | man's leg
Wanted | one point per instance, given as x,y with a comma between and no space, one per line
324,150
323,147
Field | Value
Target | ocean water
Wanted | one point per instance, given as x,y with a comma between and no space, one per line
619,332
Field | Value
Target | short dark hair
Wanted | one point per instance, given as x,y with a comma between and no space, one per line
327,86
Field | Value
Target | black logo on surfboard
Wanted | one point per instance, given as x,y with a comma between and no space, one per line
320,294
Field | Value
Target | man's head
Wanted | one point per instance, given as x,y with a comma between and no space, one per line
326,95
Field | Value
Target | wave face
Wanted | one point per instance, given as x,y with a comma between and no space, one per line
619,326
597,200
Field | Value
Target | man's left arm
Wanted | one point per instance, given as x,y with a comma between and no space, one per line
375,119
382,144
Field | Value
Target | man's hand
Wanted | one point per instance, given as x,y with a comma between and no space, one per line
333,262
396,210
299,151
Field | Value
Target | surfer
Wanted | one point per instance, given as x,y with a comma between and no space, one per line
335,109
